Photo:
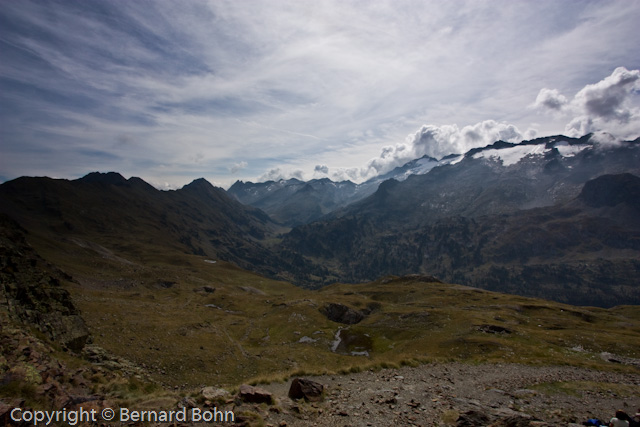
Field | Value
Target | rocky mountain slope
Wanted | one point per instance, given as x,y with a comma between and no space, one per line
505,217
293,202
500,178
31,293
44,338
585,251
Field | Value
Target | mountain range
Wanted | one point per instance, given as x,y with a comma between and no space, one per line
502,176
509,217
553,217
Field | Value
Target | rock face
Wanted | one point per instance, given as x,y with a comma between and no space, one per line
342,314
308,390
31,293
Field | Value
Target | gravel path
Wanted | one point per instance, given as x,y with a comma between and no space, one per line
436,394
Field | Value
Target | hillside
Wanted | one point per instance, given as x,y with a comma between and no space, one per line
165,326
106,214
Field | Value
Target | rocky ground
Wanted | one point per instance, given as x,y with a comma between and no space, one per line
437,394
456,394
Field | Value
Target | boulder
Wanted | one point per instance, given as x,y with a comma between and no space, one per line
251,394
187,402
214,393
301,388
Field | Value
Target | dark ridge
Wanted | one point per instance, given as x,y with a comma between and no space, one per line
495,146
109,178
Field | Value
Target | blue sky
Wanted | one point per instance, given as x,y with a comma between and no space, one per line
171,91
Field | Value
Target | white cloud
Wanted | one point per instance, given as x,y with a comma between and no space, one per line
238,166
321,170
276,174
440,141
610,105
349,174
610,98
551,99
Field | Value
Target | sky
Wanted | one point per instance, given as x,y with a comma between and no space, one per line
171,91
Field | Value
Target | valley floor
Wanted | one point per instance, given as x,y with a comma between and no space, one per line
459,394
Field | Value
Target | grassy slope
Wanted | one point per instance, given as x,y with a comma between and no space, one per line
146,307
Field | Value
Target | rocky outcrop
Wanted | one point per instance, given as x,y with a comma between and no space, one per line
32,374
251,394
31,291
214,394
100,357
341,313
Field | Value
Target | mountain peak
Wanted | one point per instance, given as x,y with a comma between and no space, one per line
198,184
110,178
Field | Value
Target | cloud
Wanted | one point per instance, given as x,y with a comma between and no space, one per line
349,174
276,174
321,169
609,105
238,166
609,98
440,141
551,99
